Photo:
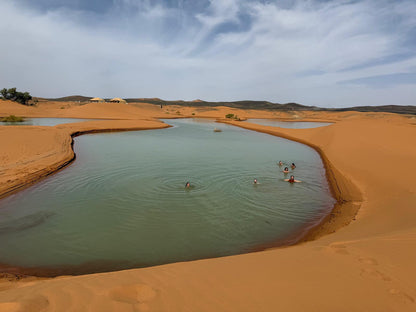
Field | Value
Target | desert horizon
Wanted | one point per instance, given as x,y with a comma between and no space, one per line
244,104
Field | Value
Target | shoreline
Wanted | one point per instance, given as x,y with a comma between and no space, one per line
347,195
304,234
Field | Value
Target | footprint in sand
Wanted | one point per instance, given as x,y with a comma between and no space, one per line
36,304
369,261
401,295
133,294
340,249
370,272
375,274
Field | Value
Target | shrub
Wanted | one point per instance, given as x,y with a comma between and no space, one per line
12,118
232,116
13,95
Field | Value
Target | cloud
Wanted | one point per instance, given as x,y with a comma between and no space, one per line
383,81
281,51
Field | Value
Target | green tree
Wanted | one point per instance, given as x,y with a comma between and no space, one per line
14,95
24,98
4,93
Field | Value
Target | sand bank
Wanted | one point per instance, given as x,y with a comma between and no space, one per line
365,266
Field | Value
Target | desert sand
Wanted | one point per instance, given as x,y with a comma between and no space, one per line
360,258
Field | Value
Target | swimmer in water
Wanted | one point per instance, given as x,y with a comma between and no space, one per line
292,180
187,185
293,166
255,181
280,163
286,170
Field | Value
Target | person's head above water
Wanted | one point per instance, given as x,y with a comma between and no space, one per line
292,178
286,169
187,184
293,165
255,181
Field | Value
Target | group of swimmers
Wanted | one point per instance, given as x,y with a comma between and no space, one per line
285,171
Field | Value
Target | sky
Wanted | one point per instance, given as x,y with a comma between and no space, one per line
327,53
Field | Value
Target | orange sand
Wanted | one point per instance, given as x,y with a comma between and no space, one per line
365,266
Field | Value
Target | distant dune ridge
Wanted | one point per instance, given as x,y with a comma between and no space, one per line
398,109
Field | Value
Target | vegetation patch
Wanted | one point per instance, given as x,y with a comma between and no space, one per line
12,118
232,116
13,95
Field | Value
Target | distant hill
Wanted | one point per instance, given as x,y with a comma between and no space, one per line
72,98
264,105
235,104
398,109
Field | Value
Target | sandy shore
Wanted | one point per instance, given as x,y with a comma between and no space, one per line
365,266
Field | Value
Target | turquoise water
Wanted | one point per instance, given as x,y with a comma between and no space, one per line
289,124
123,201
43,121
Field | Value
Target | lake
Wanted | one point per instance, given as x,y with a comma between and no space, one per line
289,124
43,121
123,202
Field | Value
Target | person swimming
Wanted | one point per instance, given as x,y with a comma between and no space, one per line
255,181
292,180
286,170
187,185
293,166
280,163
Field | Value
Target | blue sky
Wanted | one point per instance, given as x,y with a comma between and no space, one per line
332,53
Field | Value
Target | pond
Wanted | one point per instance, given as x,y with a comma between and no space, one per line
43,121
123,202
289,124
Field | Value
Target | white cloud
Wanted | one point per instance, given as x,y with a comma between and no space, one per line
218,12
230,51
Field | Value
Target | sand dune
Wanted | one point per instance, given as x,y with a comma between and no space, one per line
367,265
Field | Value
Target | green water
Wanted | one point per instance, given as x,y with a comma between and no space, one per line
289,124
123,201
43,121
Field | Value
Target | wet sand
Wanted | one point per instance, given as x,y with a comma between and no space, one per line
365,266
